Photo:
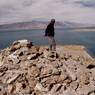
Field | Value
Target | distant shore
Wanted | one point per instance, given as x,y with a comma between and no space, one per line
84,30
72,29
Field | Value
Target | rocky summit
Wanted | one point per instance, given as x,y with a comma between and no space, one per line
26,69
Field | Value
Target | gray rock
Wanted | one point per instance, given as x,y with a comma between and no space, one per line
1,62
32,56
9,81
93,73
70,72
69,92
23,51
18,87
55,89
40,88
92,93
56,71
50,55
83,76
86,90
74,85
14,58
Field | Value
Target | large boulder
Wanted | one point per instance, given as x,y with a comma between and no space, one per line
20,43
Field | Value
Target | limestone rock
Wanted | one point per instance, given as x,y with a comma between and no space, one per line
70,72
86,90
63,76
69,92
33,71
1,63
11,89
55,88
9,81
34,49
18,87
46,53
92,93
56,72
83,76
50,55
26,69
15,47
23,43
33,56
39,87
14,58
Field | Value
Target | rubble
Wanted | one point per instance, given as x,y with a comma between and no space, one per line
26,69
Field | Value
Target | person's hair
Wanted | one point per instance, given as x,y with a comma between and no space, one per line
52,21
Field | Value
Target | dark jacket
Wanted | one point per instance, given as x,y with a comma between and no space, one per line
50,30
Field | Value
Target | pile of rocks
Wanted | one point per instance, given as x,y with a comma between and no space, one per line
26,69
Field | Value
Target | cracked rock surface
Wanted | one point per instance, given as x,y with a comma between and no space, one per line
26,69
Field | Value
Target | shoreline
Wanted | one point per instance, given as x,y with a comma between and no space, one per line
74,29
83,30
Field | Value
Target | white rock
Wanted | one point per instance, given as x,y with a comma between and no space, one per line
1,63
92,93
40,87
69,92
23,41
71,73
54,89
46,53
12,79
24,49
14,58
85,90
18,87
31,56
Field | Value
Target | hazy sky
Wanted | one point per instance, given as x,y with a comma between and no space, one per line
80,11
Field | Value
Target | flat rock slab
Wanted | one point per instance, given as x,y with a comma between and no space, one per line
73,50
76,52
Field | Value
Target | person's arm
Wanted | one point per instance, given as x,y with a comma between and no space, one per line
46,31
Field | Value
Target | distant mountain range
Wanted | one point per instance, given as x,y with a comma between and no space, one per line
42,25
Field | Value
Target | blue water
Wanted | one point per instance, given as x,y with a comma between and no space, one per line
63,37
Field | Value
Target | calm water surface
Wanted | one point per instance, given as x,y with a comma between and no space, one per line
63,37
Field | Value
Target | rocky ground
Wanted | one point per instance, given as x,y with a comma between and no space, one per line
26,69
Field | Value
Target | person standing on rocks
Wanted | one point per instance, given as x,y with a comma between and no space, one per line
49,33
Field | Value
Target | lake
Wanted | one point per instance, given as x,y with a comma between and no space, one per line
63,37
